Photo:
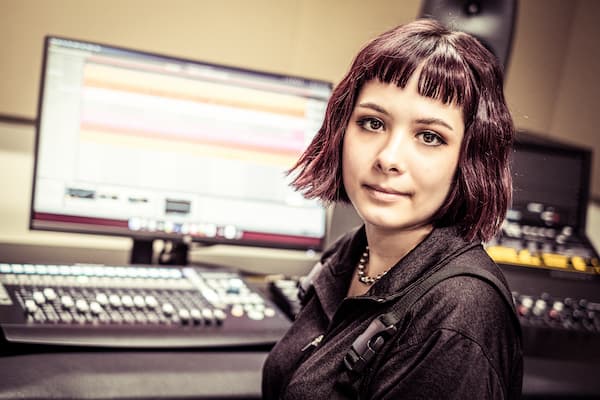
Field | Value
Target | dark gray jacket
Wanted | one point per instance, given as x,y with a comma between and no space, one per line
457,342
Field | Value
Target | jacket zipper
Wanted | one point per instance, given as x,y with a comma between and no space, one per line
305,353
313,343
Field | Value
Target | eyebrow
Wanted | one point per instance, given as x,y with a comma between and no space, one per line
375,107
434,121
424,121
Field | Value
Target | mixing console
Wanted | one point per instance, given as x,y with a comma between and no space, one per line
544,247
556,294
559,327
134,306
559,313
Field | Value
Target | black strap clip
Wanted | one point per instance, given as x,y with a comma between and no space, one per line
367,344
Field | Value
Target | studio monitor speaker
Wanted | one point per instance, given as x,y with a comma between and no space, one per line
490,21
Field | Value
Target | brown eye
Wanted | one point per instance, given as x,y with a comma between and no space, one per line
375,124
431,138
371,124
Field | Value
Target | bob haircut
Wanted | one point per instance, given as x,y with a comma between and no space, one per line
456,68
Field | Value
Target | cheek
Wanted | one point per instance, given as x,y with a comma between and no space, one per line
435,177
350,157
346,164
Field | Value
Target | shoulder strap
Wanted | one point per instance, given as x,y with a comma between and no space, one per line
393,317
368,344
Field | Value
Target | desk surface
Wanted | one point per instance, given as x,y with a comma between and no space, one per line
212,375
137,375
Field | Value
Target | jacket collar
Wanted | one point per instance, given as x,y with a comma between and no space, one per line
340,262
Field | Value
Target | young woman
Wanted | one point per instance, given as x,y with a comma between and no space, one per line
417,137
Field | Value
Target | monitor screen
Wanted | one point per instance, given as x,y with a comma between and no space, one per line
150,146
550,186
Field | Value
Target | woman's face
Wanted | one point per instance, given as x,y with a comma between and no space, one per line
400,154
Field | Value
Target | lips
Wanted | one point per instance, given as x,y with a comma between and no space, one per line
385,193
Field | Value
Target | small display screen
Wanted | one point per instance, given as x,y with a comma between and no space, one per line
547,187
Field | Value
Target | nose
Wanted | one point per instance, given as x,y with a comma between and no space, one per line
392,154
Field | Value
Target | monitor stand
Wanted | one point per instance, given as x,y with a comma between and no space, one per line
173,252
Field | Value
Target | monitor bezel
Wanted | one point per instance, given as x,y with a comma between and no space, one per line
534,142
145,236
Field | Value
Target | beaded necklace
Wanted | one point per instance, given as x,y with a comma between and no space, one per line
362,270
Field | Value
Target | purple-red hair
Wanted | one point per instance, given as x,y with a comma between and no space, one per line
456,69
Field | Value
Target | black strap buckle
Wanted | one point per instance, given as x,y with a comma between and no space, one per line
367,344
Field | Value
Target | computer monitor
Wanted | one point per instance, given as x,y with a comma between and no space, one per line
551,183
150,146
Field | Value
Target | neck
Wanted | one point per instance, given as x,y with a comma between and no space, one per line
387,247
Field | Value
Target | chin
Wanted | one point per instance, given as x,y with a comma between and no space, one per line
384,221
392,220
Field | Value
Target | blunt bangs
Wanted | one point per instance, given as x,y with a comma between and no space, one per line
444,75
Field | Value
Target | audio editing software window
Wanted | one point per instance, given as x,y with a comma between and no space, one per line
135,142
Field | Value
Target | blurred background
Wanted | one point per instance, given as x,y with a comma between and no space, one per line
551,87
551,82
